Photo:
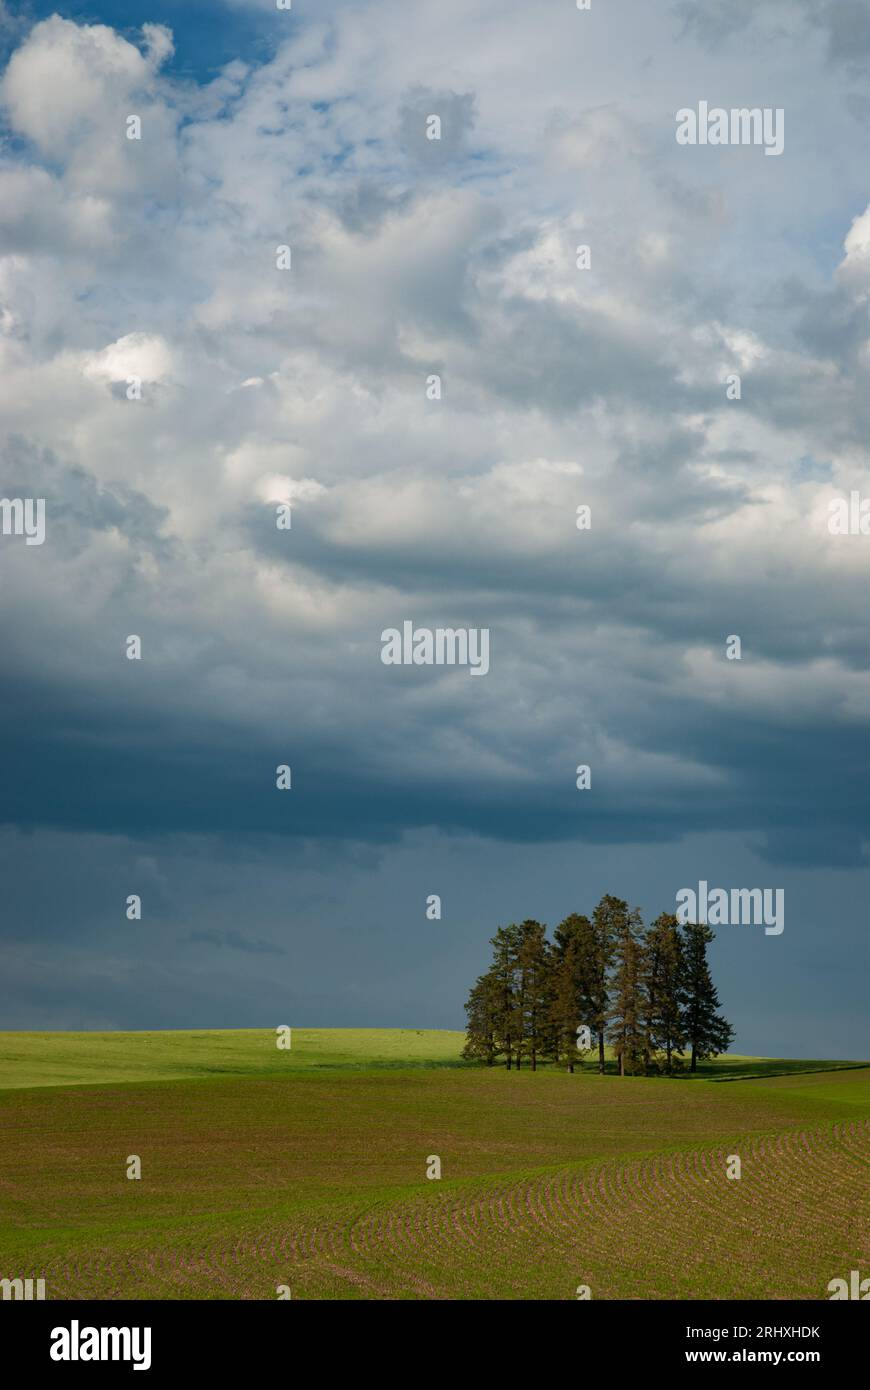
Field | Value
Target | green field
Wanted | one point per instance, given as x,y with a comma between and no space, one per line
74,1059
307,1168
70,1059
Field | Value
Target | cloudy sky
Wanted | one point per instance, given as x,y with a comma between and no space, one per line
156,259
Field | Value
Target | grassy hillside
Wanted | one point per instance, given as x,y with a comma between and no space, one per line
71,1059
314,1175
68,1059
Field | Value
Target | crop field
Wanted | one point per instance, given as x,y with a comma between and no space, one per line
307,1169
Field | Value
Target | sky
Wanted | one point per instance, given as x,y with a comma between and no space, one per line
151,265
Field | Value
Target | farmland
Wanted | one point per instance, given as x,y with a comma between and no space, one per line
308,1169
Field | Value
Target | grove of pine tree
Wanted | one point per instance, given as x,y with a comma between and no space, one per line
648,992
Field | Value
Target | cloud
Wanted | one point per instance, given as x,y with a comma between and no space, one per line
37,213
434,127
561,387
87,69
855,266
143,355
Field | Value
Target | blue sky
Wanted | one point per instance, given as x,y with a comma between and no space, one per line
208,34
155,261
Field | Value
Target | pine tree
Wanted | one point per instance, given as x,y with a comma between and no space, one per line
508,1004
572,985
483,1010
534,983
646,994
665,989
707,1032
607,924
626,1030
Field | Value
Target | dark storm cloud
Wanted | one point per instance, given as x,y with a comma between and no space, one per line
78,505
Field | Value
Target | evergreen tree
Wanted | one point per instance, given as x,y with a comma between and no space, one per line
572,986
508,1005
707,1032
533,988
646,994
563,1011
665,989
483,1010
626,1015
608,920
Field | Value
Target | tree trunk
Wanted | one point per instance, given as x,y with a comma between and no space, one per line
694,1066
601,1052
